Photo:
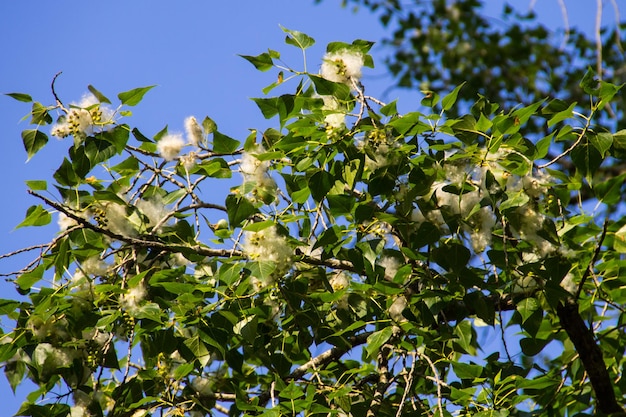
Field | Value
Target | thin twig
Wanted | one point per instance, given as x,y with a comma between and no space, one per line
407,387
568,150
45,248
129,353
54,93
598,38
596,253
438,382
28,249
565,23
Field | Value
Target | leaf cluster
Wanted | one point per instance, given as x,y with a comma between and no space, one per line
354,269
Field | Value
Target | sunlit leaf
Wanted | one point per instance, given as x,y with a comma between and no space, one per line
20,97
134,96
33,141
35,216
299,39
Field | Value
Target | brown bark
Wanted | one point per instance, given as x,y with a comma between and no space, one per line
591,356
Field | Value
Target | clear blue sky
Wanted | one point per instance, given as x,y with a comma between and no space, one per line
189,49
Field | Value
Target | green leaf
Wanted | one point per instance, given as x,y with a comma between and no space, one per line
20,97
258,226
522,115
299,39
197,347
320,184
40,114
619,140
216,168
527,307
483,308
65,175
586,159
426,234
129,166
430,99
98,150
619,242
545,382
359,45
291,392
589,83
238,209
543,146
268,106
389,109
81,165
325,87
140,136
465,129
28,279
328,237
601,141
465,334
548,232
466,370
224,144
483,125
118,136
532,346
47,410
452,256
209,125
37,185
35,216
110,359
14,372
341,204
247,328
183,370
134,96
262,62
516,200
409,124
562,115
448,101
610,191
33,141
376,340
97,94
606,92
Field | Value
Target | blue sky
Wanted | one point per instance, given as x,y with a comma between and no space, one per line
188,49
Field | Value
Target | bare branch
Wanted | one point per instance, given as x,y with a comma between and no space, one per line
54,93
438,382
383,379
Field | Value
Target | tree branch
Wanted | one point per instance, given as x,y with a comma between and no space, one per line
591,356
168,247
383,380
